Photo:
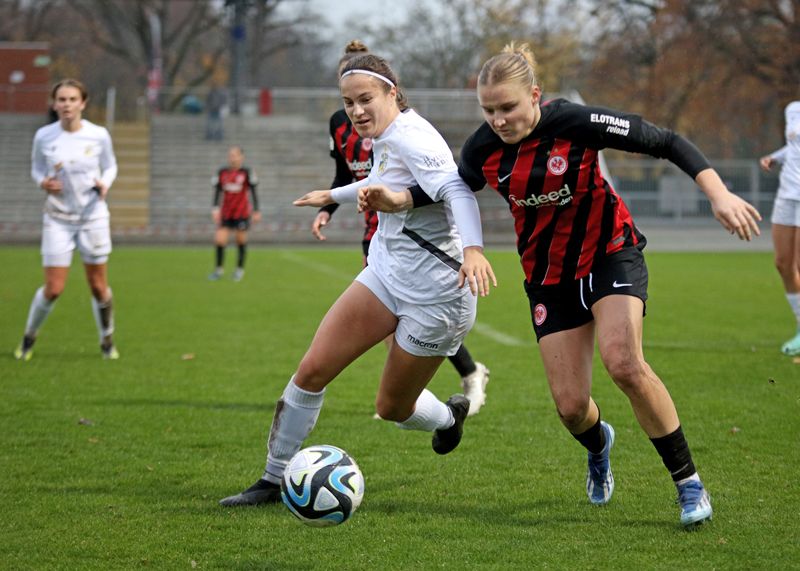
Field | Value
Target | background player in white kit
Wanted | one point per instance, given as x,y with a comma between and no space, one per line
412,287
786,217
73,162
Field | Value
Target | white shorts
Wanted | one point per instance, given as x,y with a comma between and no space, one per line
426,330
60,238
786,212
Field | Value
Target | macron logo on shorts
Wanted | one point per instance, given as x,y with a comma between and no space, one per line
423,344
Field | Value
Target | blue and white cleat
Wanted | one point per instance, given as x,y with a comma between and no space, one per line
695,503
599,479
792,346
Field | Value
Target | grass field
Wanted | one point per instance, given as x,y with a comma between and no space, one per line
181,420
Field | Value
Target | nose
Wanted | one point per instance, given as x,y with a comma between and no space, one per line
498,121
357,109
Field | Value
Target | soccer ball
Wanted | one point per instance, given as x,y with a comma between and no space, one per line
322,486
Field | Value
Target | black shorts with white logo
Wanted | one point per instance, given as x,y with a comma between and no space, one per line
562,307
236,223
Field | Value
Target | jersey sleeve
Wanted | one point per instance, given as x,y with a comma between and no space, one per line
38,161
108,161
600,128
469,167
430,162
252,183
215,182
343,174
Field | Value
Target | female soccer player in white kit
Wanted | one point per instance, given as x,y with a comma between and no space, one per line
786,218
73,162
413,286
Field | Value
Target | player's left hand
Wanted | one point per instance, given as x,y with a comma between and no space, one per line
315,198
103,189
256,216
737,216
476,271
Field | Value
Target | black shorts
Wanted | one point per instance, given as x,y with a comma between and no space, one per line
561,307
236,223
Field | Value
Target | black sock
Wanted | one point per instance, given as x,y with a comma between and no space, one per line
242,252
594,439
220,256
463,362
674,452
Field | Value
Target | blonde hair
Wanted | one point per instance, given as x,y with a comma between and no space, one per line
514,63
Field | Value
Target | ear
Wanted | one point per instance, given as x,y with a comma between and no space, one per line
536,95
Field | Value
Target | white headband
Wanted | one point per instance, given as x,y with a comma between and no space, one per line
368,72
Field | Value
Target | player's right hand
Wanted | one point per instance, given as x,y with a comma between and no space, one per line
52,185
320,222
315,198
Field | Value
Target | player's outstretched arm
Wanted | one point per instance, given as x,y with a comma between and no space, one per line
476,271
736,215
315,198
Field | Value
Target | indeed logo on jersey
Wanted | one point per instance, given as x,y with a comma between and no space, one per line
555,198
360,168
616,125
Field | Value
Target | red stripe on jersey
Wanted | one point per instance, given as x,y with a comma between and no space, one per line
491,169
622,219
370,224
593,224
517,190
552,183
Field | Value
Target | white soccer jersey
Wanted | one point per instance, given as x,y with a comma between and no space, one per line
789,156
77,159
417,253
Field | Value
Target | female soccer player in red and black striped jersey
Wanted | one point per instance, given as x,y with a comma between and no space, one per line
233,209
353,156
581,253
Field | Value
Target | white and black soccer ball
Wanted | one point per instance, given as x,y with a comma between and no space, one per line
322,486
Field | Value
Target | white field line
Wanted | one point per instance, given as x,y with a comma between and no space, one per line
498,336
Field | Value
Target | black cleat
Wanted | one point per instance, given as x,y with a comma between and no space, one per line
262,492
446,439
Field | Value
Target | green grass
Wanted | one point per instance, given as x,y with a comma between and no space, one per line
170,435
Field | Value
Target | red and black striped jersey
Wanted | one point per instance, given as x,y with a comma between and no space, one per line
232,187
566,214
353,156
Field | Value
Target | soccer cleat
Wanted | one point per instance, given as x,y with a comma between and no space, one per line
474,386
262,492
215,275
109,352
24,350
599,479
446,439
792,346
238,274
695,503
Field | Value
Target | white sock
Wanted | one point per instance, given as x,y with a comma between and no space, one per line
429,414
296,413
103,316
40,309
794,302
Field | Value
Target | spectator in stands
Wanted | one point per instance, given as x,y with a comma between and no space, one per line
413,287
786,217
73,162
216,101
233,209
353,156
585,274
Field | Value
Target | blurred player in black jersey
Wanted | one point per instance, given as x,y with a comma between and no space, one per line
353,156
233,209
581,253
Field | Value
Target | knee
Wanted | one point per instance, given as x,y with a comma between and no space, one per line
572,410
626,370
311,376
785,265
99,292
53,291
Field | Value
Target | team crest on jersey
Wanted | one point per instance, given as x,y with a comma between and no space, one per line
539,314
557,165
366,144
384,161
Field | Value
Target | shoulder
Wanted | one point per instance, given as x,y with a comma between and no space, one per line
338,119
48,131
412,130
95,130
793,107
